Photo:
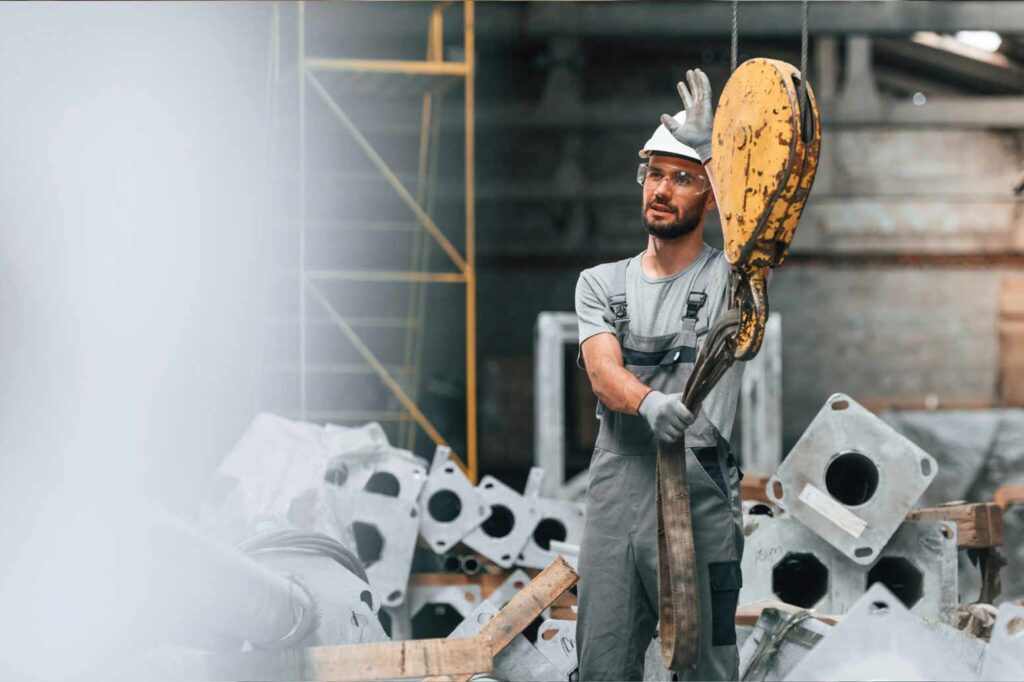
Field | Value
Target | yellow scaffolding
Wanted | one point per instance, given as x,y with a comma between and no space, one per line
433,67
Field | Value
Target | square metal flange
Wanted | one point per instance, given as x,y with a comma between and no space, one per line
851,479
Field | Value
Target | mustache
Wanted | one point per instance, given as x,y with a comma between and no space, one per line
654,203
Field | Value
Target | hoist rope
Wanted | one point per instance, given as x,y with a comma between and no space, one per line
734,51
804,40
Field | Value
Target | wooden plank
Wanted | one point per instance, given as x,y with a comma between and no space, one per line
378,661
1011,362
525,606
1011,341
1009,495
752,488
563,613
748,614
978,524
528,603
487,582
566,599
407,67
878,404
1011,297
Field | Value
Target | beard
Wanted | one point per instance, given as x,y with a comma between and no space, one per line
682,226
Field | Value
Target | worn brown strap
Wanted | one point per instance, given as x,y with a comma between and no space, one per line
678,583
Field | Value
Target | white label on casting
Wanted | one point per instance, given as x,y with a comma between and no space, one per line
833,511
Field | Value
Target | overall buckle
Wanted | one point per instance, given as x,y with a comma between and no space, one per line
617,303
694,302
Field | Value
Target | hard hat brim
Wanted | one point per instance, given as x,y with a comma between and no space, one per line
648,153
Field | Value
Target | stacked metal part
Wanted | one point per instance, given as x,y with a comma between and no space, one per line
551,657
879,638
838,544
509,528
844,492
351,486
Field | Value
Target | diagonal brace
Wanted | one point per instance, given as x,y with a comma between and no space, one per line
389,175
374,363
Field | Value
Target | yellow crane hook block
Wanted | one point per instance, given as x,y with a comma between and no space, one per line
765,149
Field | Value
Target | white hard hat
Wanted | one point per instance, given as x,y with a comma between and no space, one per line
663,142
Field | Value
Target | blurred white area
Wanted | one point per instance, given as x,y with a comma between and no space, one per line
131,141
989,41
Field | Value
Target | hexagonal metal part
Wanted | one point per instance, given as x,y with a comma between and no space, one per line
929,546
397,522
800,579
464,508
904,579
851,478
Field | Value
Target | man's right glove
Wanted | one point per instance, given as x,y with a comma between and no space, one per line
695,131
666,414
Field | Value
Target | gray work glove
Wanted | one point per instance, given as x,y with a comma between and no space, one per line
696,130
666,414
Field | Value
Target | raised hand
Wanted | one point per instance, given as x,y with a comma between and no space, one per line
695,131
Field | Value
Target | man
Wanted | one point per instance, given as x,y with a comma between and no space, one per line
641,323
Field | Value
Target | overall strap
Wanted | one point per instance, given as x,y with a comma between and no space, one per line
695,301
617,312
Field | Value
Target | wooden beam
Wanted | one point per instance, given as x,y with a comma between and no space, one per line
752,488
1011,341
747,614
378,661
1009,495
524,608
979,525
488,582
407,67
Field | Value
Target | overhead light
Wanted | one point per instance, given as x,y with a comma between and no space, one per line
958,45
989,41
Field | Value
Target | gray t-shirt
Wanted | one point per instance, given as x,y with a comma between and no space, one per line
656,308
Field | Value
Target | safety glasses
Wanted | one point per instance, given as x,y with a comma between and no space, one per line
682,182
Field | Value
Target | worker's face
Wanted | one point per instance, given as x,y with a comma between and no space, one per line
670,209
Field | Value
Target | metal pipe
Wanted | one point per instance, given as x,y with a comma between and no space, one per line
470,564
217,588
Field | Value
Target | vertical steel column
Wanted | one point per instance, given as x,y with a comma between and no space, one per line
302,208
470,49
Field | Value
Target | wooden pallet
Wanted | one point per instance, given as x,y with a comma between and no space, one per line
979,525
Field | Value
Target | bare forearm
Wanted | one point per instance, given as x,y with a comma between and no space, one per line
618,388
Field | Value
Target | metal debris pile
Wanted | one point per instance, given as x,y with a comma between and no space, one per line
843,577
848,581
442,556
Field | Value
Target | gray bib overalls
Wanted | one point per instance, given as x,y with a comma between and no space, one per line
618,561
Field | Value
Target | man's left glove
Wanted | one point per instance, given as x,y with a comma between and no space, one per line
666,414
696,130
